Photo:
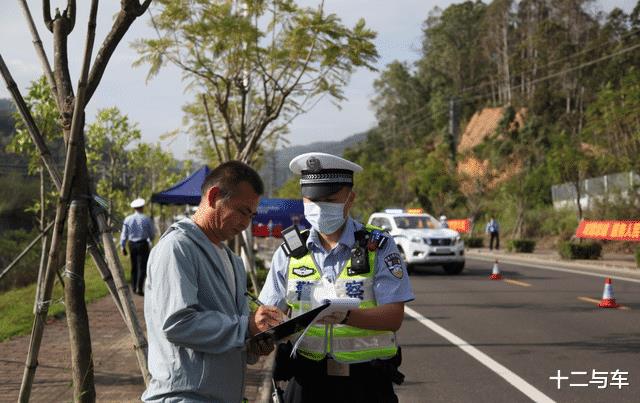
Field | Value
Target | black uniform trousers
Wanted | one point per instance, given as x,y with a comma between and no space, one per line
139,252
365,384
494,236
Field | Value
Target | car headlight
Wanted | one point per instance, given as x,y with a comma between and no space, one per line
457,240
416,239
427,241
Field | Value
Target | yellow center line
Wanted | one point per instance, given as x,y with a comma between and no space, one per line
597,301
516,282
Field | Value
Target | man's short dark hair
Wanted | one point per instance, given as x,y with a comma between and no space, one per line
228,175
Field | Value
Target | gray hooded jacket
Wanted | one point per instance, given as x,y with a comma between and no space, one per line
196,329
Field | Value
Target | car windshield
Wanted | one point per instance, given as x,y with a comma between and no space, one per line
416,222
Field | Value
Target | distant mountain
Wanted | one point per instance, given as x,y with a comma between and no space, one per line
8,162
6,119
275,171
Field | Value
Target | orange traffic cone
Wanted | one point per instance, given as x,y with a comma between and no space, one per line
495,273
608,300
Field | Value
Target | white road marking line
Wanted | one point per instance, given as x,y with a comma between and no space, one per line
540,266
516,282
523,386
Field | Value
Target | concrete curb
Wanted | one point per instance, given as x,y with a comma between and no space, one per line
264,391
597,265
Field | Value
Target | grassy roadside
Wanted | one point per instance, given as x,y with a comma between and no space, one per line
16,306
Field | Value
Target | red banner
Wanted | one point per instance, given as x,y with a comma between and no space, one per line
610,230
463,226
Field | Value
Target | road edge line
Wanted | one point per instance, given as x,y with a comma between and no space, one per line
505,373
544,266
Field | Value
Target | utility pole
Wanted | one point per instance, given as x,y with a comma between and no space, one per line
454,123
274,172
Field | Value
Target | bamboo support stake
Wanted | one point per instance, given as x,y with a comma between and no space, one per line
124,292
37,43
24,252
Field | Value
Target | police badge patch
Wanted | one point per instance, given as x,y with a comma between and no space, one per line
303,271
314,164
394,264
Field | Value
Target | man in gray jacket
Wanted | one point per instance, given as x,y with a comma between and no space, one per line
197,315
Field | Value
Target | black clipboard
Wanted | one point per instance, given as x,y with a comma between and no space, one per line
291,326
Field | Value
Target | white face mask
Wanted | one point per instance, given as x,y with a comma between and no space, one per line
324,217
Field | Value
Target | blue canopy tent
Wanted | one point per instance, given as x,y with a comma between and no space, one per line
274,215
185,192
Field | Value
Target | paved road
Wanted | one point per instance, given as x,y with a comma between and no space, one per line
526,329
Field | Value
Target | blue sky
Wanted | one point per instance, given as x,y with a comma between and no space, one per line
156,105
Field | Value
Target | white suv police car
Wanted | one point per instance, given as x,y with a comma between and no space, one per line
421,239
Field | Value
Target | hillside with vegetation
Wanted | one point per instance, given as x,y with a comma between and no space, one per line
555,90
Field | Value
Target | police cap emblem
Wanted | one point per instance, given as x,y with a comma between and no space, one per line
314,164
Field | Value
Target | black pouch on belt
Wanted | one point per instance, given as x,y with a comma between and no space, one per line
389,367
285,365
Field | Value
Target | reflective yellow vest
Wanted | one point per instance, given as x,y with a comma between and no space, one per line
343,343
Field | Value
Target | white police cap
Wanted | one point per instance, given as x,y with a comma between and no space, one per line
137,203
323,174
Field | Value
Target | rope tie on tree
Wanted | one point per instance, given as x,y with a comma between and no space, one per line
73,276
42,305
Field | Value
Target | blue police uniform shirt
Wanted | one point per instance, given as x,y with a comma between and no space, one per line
137,227
492,226
387,287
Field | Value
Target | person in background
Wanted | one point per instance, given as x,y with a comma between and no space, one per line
196,311
493,229
443,222
139,231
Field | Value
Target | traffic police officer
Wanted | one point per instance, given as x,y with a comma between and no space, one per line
352,356
139,230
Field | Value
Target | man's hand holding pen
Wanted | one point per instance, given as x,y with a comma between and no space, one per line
264,318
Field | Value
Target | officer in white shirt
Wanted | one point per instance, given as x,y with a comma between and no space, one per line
139,231
352,357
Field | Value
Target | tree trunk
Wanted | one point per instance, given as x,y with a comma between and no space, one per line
505,57
578,197
77,219
76,310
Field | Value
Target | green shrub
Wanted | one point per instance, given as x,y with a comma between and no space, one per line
638,257
521,245
12,243
473,242
585,250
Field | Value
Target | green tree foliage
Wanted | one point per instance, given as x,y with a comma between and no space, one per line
253,65
613,121
151,170
571,74
44,111
290,189
107,156
435,182
452,57
400,93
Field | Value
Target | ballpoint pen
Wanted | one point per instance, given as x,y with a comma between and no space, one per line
259,303
254,298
